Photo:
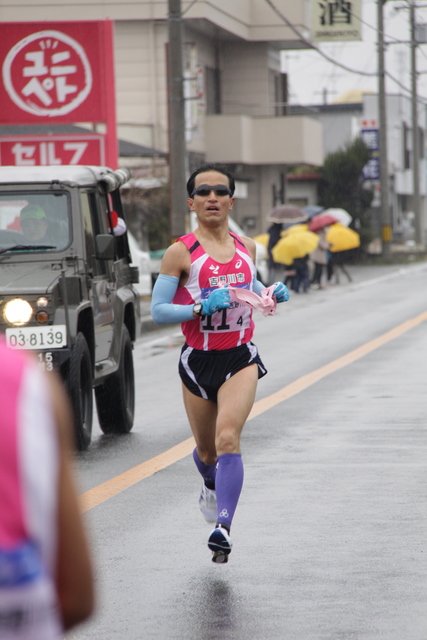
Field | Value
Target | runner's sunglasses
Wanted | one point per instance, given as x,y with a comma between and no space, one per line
205,190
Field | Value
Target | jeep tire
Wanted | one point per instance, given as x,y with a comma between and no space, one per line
115,398
79,383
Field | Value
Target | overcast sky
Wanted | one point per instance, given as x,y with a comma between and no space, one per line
310,74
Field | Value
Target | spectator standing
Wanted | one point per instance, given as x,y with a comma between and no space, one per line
274,235
300,265
320,258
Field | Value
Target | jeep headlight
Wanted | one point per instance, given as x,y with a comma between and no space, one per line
17,312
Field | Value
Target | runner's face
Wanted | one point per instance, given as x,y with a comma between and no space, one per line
211,209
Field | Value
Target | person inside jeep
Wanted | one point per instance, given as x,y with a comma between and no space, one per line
34,225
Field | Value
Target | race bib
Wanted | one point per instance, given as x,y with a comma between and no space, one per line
236,318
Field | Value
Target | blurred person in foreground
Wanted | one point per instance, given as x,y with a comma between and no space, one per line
46,579
219,364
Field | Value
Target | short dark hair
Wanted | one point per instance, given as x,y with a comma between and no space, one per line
220,168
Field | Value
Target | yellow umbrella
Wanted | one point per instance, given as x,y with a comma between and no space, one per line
295,245
296,228
341,238
262,239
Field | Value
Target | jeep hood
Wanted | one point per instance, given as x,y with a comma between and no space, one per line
27,277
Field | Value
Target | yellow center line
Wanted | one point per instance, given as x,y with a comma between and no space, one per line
116,485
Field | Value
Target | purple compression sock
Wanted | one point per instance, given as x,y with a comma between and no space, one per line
207,471
228,484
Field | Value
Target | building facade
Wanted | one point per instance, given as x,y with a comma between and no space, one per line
343,122
235,93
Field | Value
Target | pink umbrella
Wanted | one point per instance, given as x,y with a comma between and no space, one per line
321,221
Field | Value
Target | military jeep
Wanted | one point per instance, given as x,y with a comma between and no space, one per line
68,296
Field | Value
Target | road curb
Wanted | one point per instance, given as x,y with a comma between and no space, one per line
148,324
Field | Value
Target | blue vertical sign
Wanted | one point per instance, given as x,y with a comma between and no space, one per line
371,170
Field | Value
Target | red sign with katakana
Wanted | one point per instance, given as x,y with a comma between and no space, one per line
53,72
25,151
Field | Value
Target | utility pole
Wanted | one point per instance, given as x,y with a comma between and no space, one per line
419,226
177,149
385,211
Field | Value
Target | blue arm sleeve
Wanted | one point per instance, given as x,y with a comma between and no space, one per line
257,286
162,309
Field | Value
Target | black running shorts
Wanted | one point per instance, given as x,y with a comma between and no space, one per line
203,372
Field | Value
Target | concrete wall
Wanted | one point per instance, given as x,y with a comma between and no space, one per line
301,192
275,140
245,78
140,61
248,19
260,180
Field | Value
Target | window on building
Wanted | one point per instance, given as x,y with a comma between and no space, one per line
421,142
281,94
406,147
213,90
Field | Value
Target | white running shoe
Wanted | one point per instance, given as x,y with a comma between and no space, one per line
207,504
220,544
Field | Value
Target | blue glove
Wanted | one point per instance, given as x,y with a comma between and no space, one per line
218,299
281,292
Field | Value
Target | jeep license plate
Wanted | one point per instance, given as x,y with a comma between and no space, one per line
52,337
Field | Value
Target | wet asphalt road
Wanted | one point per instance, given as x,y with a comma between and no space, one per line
330,535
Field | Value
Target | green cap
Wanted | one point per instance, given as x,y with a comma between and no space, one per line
32,212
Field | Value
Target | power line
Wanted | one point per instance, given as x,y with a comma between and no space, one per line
420,99
395,40
311,46
359,72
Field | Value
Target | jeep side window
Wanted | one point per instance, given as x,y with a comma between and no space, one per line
98,214
105,205
107,201
97,266
122,245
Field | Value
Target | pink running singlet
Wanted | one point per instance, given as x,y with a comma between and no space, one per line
227,328
28,502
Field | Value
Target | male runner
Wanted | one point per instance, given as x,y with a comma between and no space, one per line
219,365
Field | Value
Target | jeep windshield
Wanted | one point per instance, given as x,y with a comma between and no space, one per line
34,221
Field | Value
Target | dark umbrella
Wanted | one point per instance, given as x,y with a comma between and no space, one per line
321,221
312,210
285,213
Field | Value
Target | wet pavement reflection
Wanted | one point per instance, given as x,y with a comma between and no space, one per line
160,344
213,608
